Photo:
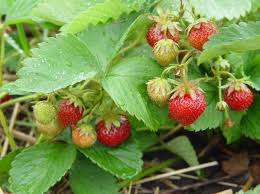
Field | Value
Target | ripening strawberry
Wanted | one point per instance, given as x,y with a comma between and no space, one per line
199,34
84,136
185,106
158,90
165,51
238,96
155,33
46,120
112,133
5,98
69,114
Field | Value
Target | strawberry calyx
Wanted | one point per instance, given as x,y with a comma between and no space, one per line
186,88
111,119
86,130
197,24
237,85
165,21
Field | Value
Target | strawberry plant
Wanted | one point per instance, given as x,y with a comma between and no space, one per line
103,78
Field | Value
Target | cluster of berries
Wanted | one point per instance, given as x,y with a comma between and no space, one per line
51,121
186,102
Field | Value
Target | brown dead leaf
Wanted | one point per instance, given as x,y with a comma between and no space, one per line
229,191
255,173
236,164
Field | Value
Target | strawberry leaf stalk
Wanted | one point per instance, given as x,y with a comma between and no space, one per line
113,129
187,103
237,95
69,113
199,32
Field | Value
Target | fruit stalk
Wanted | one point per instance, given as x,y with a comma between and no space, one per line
21,99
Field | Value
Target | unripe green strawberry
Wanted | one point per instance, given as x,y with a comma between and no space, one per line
44,112
50,130
46,120
159,90
165,51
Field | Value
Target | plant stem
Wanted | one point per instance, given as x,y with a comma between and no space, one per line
227,73
6,131
21,99
23,39
149,171
2,52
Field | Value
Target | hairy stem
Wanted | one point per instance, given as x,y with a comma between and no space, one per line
21,99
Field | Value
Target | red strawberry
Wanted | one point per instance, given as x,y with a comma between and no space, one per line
68,113
199,34
113,133
185,106
155,33
5,98
84,136
238,96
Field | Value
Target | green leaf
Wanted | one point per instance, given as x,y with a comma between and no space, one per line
103,40
101,12
250,123
253,191
182,147
58,63
123,161
234,133
216,118
21,12
144,139
252,68
125,83
60,12
220,9
5,165
5,6
237,38
88,178
38,167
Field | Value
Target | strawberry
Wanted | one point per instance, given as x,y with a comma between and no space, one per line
238,96
159,90
186,104
84,136
50,130
46,120
44,112
155,33
165,51
199,34
69,114
112,132
5,98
